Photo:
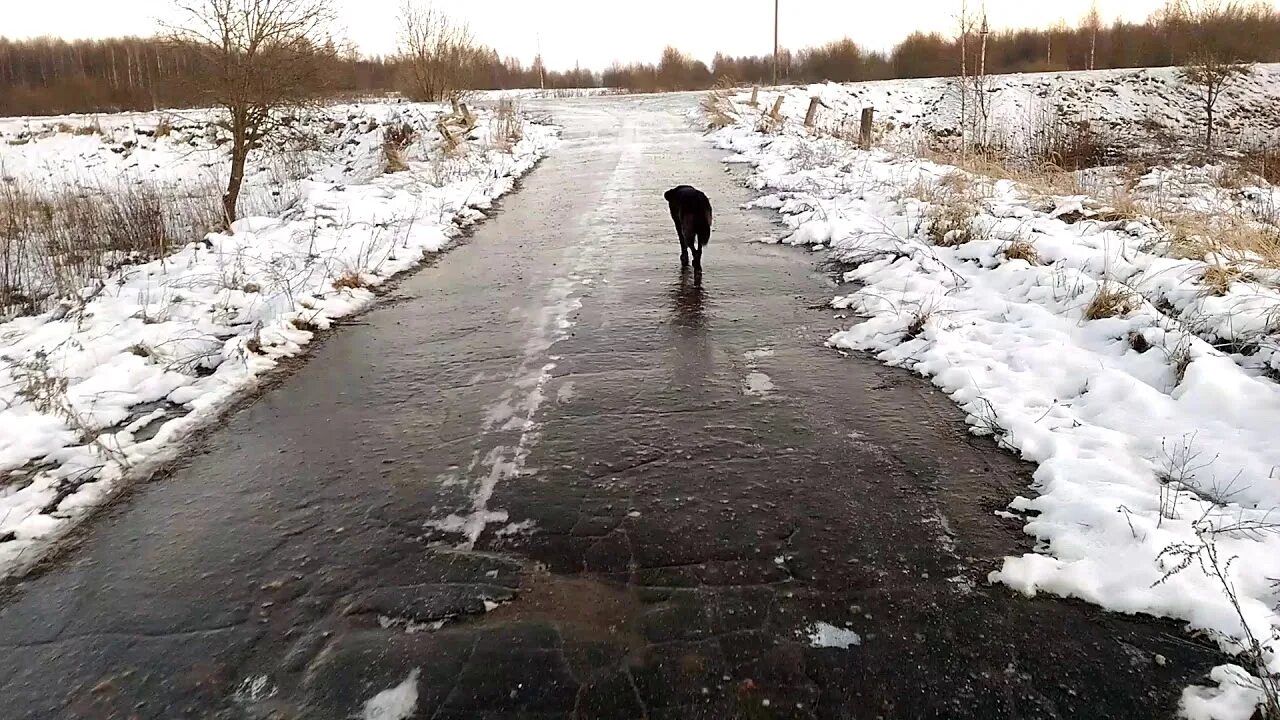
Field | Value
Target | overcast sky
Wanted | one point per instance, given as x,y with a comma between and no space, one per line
597,32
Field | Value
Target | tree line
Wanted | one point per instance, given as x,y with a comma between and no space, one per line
438,57
51,76
1244,31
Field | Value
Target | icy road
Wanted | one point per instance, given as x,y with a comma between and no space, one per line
550,476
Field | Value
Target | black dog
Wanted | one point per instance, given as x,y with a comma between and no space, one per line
691,211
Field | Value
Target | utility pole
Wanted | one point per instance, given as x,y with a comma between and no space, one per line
542,75
982,59
775,42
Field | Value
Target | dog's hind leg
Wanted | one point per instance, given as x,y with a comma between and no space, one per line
684,244
698,237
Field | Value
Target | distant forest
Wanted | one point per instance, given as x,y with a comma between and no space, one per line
46,76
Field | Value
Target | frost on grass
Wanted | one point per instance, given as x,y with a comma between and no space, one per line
1131,358
101,375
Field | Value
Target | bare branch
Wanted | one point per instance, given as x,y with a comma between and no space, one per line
257,57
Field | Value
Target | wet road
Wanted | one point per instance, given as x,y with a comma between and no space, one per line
553,477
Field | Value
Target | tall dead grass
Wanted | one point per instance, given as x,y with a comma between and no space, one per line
396,139
507,125
1264,163
717,108
1111,300
54,244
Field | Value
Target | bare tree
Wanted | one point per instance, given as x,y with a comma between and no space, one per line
257,58
1093,23
1212,73
981,96
965,27
434,49
1213,64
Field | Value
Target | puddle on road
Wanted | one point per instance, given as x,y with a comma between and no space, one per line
581,608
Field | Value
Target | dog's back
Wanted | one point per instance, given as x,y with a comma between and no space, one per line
691,209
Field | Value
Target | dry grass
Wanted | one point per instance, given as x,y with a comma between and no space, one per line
717,109
916,326
1264,163
1121,205
507,125
1194,236
1242,240
993,163
1217,279
1022,250
91,128
1233,176
1111,300
951,224
54,243
923,189
1186,236
349,280
1069,146
396,139
848,129
305,325
955,183
768,124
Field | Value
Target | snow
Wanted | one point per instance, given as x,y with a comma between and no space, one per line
757,384
254,689
1156,490
1148,109
825,635
92,397
397,703
1236,696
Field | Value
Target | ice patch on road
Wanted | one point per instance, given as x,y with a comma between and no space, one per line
758,384
397,703
826,635
255,688
410,627
518,407
524,527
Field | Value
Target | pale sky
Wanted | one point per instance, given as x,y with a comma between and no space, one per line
597,32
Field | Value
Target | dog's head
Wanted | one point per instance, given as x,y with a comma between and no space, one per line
671,194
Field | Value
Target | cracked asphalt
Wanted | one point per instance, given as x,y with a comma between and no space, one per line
557,477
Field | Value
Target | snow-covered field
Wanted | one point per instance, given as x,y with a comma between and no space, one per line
1146,111
1140,379
543,93
97,391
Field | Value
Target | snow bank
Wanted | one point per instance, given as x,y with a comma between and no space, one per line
1148,109
92,396
1157,490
